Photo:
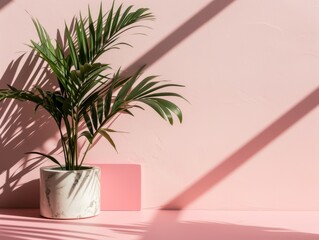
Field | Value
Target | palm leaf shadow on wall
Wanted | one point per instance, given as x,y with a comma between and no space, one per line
22,129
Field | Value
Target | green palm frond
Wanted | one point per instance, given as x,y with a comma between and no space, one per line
89,95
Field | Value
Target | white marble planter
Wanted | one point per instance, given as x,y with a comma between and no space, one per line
69,194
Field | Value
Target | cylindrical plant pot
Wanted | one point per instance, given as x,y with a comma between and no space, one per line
69,194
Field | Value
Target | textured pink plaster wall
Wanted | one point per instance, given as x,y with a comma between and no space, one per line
249,139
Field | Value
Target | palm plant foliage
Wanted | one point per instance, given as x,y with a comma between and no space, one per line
89,95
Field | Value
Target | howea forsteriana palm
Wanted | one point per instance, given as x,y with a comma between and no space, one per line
87,93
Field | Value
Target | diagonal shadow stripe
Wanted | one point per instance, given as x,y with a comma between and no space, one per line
231,163
181,33
243,154
3,3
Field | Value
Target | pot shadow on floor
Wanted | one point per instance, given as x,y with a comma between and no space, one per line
167,227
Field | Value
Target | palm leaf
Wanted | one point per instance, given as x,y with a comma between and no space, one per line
171,106
107,137
47,156
157,107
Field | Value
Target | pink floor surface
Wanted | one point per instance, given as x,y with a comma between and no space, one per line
26,224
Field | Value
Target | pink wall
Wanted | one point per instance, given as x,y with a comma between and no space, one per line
249,140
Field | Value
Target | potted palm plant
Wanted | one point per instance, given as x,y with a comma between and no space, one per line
88,95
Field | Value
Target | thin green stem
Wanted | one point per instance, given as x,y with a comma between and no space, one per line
63,144
86,151
68,158
76,129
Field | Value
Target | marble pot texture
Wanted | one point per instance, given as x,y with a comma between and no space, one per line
69,194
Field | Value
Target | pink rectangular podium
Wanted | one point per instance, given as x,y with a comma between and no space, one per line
120,187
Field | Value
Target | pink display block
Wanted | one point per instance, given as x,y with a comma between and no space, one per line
120,187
